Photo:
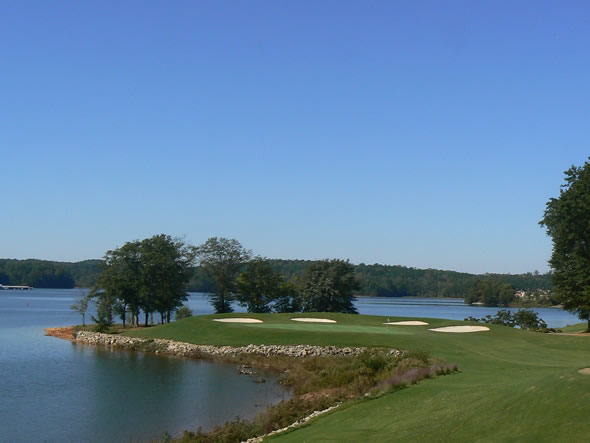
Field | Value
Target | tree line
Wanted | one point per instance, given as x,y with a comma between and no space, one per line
36,273
142,277
374,280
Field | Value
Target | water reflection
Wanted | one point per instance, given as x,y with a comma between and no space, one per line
53,390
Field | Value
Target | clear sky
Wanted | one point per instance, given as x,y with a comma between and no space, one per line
426,134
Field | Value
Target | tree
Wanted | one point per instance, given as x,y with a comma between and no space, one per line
222,259
81,306
567,221
183,312
122,276
327,286
106,301
527,319
148,275
258,286
289,299
167,268
505,294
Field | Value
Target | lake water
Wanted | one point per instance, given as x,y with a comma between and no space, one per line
56,391
451,308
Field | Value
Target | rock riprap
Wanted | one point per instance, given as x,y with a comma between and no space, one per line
163,346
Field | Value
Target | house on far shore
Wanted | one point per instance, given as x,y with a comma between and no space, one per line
537,294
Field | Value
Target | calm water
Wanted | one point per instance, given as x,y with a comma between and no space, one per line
453,309
56,391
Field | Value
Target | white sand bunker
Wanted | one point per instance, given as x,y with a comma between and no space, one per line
238,320
406,323
585,371
314,320
461,329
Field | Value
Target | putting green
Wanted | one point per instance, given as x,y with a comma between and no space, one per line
330,328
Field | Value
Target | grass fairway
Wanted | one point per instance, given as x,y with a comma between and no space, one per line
513,385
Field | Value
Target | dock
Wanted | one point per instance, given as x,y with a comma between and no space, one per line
15,288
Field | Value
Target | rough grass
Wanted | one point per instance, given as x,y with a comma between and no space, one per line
579,327
513,386
321,382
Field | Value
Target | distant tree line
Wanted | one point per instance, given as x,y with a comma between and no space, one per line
399,281
374,280
36,273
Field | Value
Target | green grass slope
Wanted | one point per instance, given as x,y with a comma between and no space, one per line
578,327
513,386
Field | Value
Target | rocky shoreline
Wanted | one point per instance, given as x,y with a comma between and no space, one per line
292,425
189,350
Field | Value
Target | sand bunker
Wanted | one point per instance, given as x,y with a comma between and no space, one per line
406,323
314,320
461,329
585,371
238,320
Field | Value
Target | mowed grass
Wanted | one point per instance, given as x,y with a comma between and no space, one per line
279,329
513,385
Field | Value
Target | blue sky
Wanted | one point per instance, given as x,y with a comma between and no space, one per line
426,134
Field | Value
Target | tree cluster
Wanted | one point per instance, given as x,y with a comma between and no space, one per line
490,292
523,318
325,286
144,276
